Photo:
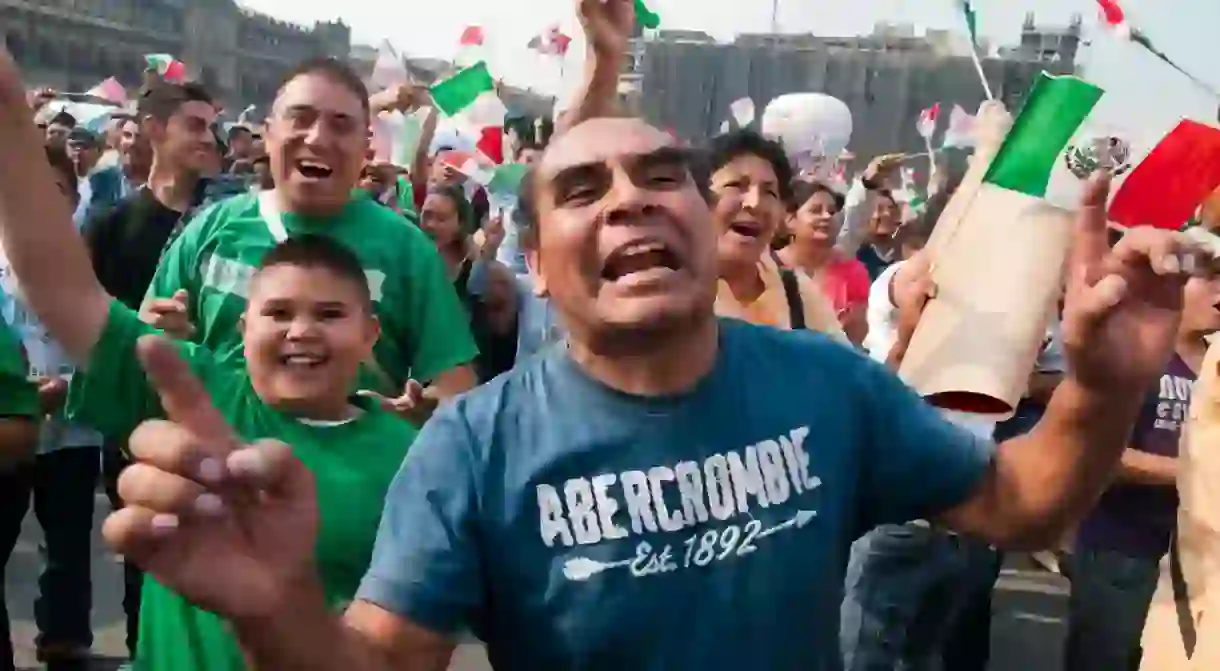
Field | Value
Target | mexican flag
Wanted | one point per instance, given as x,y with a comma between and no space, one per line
109,89
1161,174
972,21
471,94
171,69
960,132
646,18
927,121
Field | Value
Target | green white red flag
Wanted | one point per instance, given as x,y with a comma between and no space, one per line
169,68
1162,172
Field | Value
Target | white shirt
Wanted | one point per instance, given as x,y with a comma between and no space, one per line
883,334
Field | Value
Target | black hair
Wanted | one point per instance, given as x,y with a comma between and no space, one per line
162,99
527,145
335,70
60,162
321,252
62,119
803,191
920,231
525,215
457,196
726,147
238,130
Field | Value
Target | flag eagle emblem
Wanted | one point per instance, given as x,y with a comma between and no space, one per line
1087,157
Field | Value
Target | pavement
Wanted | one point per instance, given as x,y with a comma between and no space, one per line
1027,629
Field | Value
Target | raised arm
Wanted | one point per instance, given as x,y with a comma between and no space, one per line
861,203
608,25
36,230
1121,317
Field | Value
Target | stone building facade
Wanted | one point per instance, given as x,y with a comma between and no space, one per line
686,82
73,44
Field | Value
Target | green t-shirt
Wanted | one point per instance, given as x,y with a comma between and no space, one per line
425,330
18,397
353,464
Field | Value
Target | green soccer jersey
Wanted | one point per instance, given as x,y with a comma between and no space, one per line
352,463
425,330
18,396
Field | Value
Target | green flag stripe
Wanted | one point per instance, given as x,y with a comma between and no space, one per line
1053,112
459,91
971,22
646,17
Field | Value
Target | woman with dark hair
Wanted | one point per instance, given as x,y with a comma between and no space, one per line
449,219
749,181
814,228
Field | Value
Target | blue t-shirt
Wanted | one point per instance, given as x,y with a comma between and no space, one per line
571,526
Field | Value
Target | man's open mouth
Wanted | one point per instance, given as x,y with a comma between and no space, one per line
639,257
313,169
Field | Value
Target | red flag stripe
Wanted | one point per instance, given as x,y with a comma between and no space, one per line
1112,12
1165,189
472,36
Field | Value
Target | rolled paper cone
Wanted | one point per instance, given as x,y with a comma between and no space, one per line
998,262
1188,594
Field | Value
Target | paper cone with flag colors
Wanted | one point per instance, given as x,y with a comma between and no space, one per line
998,258
111,90
470,94
1162,171
169,68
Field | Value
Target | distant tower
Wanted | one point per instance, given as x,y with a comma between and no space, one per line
1059,44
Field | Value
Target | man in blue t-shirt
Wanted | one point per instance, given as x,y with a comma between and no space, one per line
669,491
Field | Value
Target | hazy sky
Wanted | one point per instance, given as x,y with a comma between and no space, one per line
1188,29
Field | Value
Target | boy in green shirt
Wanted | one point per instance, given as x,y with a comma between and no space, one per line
316,140
309,323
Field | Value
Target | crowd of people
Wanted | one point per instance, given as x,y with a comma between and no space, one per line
647,416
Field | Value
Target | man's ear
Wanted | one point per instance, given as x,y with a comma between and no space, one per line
533,261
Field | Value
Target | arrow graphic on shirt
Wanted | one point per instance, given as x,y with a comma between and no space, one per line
799,520
580,569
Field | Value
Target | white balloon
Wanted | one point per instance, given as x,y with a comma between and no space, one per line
811,124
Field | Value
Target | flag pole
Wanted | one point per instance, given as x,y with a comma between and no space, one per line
978,65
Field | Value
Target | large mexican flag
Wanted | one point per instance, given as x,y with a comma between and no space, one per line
1162,170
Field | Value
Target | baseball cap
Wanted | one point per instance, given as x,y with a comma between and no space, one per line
83,136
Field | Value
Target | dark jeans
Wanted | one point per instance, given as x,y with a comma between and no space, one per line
113,463
63,484
1107,608
905,590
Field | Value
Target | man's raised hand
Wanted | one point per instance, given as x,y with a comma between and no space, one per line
230,526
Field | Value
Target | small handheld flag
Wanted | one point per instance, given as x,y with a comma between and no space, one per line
927,121
110,90
646,18
169,68
1115,18
972,27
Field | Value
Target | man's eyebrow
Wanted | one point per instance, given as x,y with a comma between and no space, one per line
661,156
310,108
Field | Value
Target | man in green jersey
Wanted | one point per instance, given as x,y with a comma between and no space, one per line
309,324
317,136
18,403
18,437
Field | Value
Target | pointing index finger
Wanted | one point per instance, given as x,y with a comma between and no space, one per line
1090,242
183,397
